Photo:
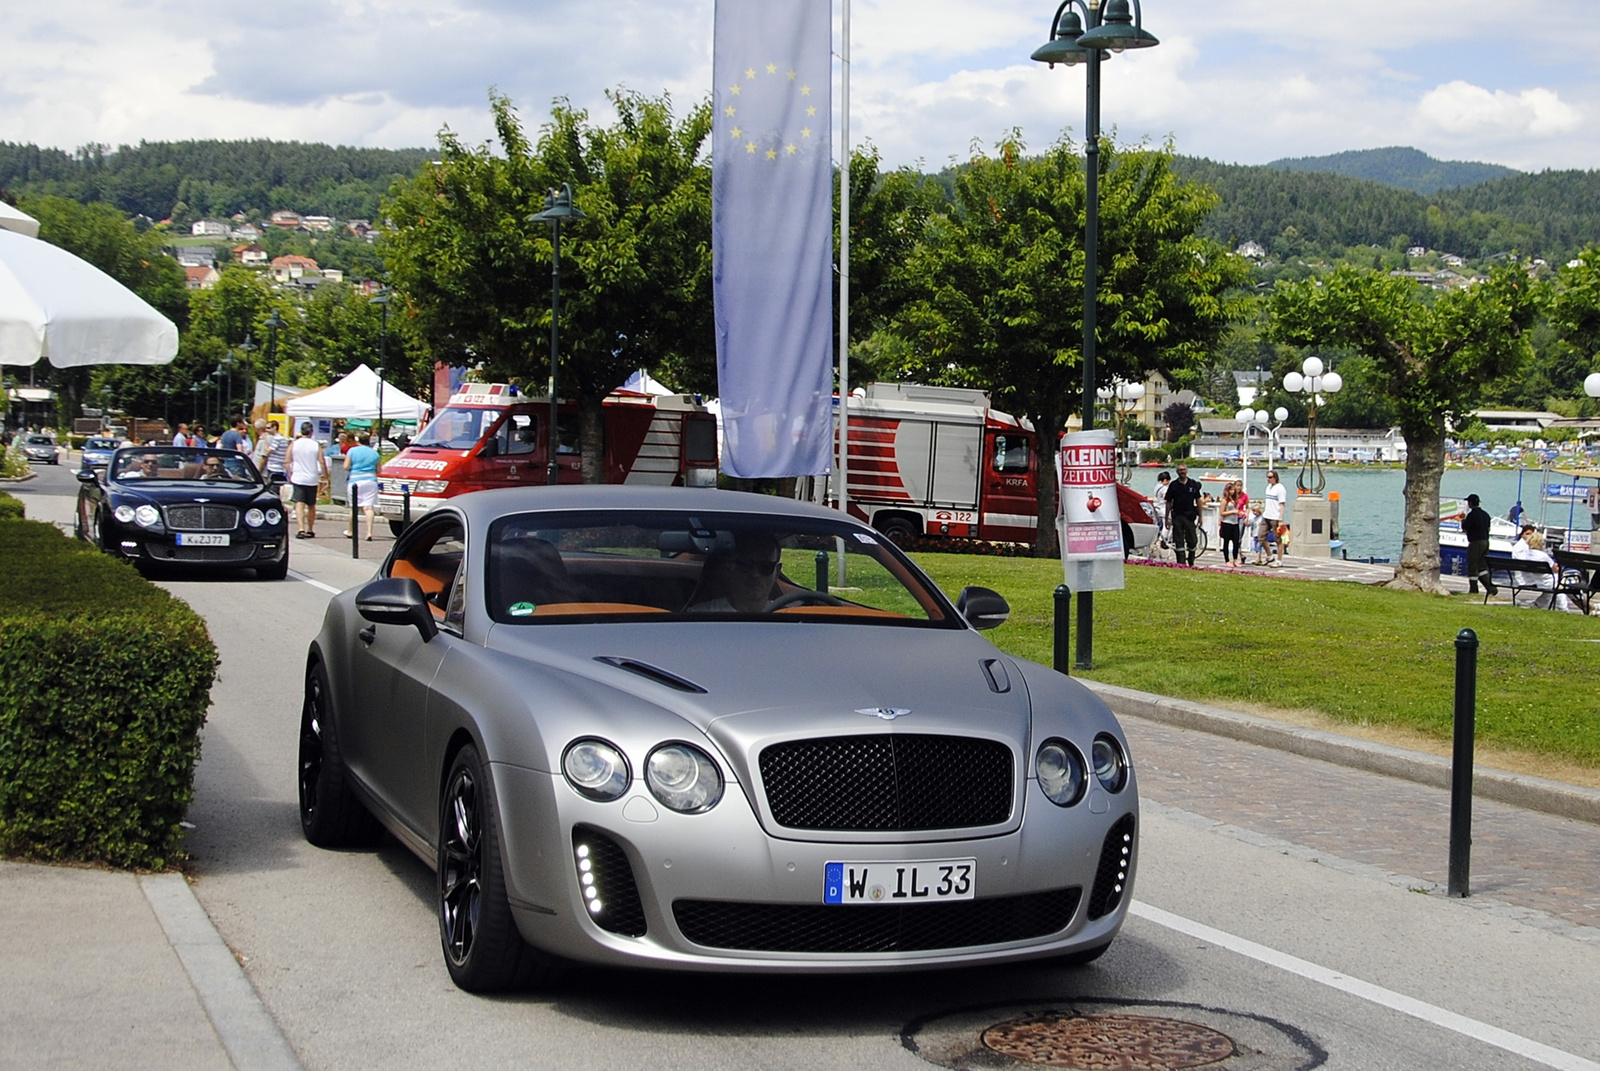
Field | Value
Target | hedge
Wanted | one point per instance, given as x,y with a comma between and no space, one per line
10,508
104,684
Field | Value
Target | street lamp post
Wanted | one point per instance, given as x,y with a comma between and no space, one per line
381,299
1087,40
557,207
166,404
1126,397
273,323
1314,382
194,402
1250,418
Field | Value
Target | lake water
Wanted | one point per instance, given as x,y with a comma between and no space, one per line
1372,501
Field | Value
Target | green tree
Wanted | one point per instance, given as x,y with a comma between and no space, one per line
997,284
1433,357
1575,320
635,274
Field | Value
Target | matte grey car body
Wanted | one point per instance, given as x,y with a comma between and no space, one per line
391,706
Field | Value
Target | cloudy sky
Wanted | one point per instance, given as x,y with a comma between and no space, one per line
1237,80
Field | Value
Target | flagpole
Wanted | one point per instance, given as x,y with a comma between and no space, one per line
844,273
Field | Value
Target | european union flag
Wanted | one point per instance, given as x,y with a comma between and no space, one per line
772,235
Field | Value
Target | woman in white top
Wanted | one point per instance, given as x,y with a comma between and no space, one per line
1530,548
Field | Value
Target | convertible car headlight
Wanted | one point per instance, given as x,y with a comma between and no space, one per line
683,778
123,514
1110,764
596,769
274,516
1061,772
148,516
254,518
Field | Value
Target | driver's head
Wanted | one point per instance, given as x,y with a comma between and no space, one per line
745,575
149,464
212,466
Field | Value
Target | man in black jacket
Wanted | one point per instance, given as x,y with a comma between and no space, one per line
1475,525
1183,507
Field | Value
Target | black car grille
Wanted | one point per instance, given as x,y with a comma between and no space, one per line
1111,876
610,875
896,928
888,782
239,552
203,518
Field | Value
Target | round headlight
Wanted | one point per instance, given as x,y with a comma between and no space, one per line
1110,764
274,516
683,778
148,516
1061,772
596,769
254,518
123,514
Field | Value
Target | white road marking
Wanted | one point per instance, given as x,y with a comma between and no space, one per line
1388,998
329,588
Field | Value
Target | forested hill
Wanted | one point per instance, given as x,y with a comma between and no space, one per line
194,179
1407,168
1551,214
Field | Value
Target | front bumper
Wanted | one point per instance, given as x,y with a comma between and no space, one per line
393,506
689,868
247,547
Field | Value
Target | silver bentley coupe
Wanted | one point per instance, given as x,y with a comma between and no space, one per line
652,727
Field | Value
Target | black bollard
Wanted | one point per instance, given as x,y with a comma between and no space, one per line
1063,630
1085,658
822,571
405,506
1461,762
355,536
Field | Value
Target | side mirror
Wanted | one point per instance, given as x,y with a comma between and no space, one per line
276,480
983,608
397,600
88,475
490,449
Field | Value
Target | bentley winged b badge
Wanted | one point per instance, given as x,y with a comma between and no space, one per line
886,713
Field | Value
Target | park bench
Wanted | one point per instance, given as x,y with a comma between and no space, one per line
1518,575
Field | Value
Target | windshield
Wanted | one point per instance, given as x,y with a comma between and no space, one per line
101,444
173,463
40,440
456,428
663,566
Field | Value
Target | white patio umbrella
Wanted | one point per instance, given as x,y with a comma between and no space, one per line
14,219
55,305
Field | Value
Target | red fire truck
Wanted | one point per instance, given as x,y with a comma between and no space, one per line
492,435
940,461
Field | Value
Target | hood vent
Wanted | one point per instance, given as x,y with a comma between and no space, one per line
651,673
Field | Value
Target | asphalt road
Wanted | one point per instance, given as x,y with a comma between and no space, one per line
1301,960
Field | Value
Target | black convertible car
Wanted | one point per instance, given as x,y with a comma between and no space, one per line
173,505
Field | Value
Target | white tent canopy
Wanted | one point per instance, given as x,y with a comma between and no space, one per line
52,304
13,219
355,397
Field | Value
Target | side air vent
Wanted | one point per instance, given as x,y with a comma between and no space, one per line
651,673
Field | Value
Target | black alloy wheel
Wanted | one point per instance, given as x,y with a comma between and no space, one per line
330,814
483,949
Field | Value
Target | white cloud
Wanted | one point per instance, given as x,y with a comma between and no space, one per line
1461,108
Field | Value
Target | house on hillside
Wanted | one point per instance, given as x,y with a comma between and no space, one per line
1249,384
286,219
1252,249
200,277
250,254
245,232
193,256
209,228
361,228
292,268
317,223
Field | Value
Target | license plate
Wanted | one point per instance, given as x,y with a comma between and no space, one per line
917,882
200,539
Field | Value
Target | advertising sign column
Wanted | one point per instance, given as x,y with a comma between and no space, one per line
1089,521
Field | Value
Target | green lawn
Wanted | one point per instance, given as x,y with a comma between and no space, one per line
1354,653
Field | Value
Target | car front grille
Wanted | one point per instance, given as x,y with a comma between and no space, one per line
888,782
238,552
894,928
203,517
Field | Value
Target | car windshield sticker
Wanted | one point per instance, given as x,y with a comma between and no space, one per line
522,609
864,538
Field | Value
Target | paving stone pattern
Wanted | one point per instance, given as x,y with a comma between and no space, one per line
1522,858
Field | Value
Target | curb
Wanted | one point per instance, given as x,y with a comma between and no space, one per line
1519,790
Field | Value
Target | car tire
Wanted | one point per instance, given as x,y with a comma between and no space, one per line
330,814
483,949
1085,957
898,531
1127,540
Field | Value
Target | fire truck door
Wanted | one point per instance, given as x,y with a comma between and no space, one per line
516,451
1010,503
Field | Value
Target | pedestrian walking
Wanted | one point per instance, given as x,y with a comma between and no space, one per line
308,470
1275,511
1231,526
1475,523
237,437
181,437
361,489
1183,504
1259,527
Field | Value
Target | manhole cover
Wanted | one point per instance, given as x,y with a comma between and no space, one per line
1109,1042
